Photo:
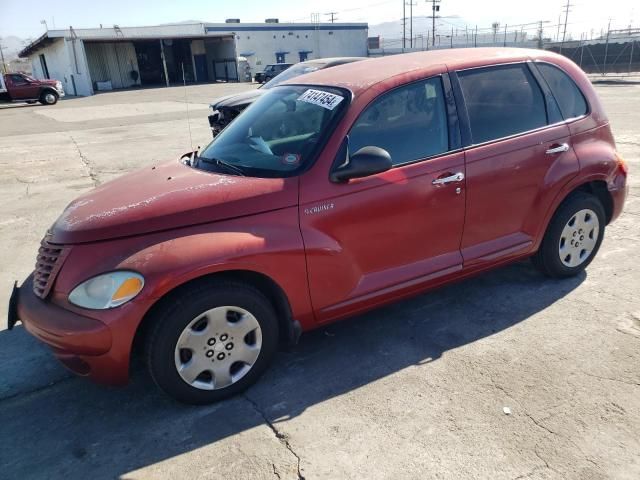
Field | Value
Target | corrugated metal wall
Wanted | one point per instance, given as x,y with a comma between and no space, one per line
112,61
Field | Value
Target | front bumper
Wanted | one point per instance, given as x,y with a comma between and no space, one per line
82,344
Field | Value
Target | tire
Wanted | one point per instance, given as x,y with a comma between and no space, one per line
581,219
48,98
178,345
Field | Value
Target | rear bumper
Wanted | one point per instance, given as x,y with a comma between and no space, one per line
619,189
82,344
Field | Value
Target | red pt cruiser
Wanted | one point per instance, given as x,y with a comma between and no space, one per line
340,191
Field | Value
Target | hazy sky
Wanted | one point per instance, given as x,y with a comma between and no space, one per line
22,17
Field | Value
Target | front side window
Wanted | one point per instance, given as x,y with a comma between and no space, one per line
278,135
570,99
19,80
409,122
502,101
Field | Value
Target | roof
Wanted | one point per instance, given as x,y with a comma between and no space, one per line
176,30
359,76
253,27
40,42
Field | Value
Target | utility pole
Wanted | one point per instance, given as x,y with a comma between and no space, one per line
404,24
566,17
435,8
494,27
411,24
332,14
504,43
606,49
4,67
540,36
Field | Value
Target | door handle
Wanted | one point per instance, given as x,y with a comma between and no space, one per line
563,147
458,177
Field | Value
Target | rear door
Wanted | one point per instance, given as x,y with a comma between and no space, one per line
518,156
371,238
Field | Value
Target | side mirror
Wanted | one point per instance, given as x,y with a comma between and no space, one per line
366,161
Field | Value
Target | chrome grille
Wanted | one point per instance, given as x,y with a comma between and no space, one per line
48,263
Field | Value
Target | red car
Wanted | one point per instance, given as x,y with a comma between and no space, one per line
332,194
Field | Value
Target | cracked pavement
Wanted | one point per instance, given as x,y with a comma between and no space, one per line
412,390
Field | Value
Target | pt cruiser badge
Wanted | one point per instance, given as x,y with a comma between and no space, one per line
318,208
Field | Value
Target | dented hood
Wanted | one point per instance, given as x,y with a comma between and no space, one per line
168,196
237,99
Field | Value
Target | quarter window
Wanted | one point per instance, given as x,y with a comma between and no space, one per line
409,122
502,101
569,97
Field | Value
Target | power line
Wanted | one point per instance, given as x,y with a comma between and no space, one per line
333,16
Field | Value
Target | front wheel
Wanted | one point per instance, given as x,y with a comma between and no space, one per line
573,237
212,341
49,98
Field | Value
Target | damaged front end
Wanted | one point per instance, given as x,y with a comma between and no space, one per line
221,117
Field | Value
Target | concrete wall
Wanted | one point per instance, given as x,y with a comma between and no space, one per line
219,48
259,43
62,66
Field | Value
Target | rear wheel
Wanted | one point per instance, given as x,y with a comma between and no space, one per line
213,341
48,98
573,237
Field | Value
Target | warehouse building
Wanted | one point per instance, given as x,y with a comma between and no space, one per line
94,59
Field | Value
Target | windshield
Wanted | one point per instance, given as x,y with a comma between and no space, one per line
278,135
292,72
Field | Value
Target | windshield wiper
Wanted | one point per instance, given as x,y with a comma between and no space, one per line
221,163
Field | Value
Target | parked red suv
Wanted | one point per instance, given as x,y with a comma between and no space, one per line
332,194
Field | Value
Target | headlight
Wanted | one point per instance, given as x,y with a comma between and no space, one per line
108,290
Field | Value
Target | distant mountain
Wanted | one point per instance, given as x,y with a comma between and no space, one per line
421,26
11,46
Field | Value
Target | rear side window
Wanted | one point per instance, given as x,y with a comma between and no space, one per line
502,101
569,97
409,122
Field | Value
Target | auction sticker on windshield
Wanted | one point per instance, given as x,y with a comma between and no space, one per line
323,99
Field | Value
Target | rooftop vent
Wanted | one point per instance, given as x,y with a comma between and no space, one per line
272,20
232,20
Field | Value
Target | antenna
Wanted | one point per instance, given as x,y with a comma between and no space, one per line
186,101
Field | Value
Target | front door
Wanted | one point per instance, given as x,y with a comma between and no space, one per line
20,88
377,236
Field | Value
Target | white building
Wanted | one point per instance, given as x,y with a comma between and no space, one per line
86,60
